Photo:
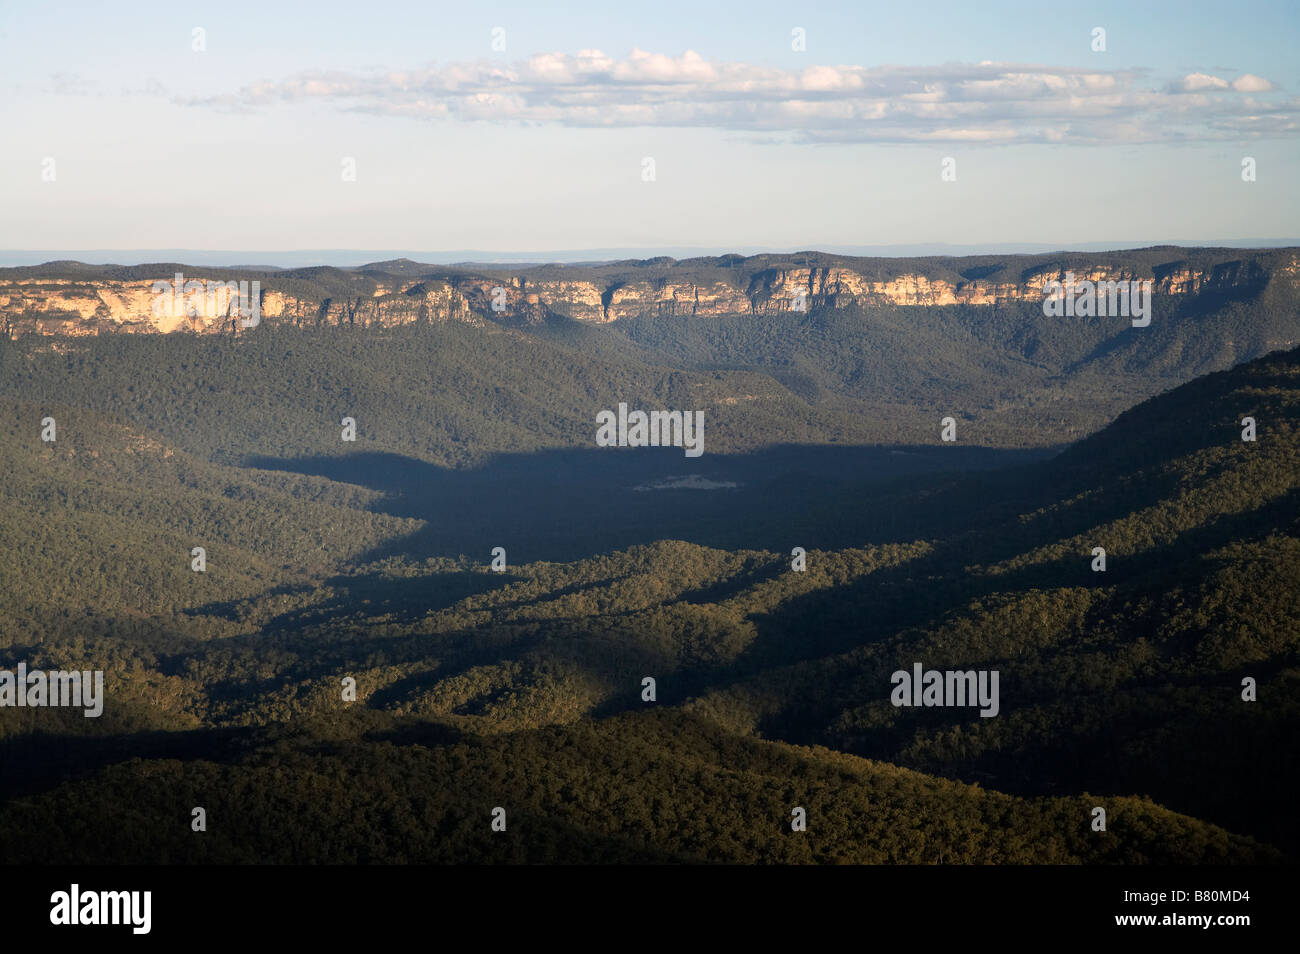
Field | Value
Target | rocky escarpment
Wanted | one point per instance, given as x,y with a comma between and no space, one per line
74,299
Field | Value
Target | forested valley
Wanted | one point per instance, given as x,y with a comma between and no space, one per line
524,689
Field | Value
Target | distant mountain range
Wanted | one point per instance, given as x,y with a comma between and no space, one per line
351,258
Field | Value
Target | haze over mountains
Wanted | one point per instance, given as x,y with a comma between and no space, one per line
524,688
355,258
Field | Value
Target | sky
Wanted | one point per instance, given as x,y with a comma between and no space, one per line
540,127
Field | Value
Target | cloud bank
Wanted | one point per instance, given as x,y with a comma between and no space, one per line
952,103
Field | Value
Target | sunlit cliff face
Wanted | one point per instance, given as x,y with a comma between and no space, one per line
87,307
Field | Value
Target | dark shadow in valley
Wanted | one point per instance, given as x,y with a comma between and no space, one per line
48,759
564,505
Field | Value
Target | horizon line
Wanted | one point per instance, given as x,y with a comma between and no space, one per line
303,257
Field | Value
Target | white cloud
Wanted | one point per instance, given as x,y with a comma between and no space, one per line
1249,83
1195,82
985,102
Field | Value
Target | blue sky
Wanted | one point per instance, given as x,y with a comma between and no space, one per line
542,145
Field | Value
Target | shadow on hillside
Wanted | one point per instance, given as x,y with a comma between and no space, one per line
563,505
50,759
401,599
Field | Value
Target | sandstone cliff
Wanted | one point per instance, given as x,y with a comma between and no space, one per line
51,300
